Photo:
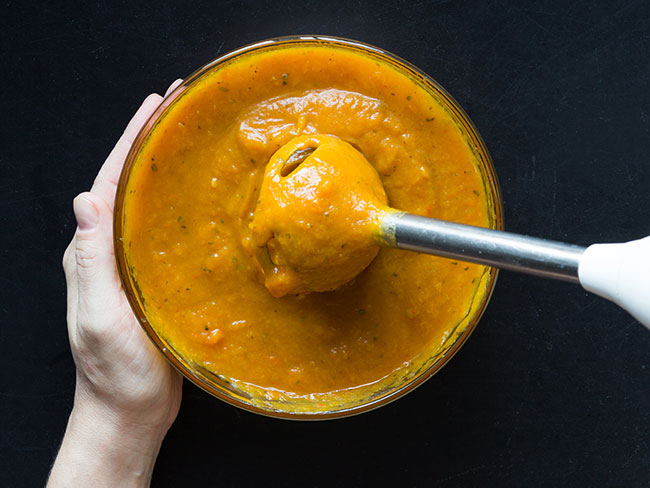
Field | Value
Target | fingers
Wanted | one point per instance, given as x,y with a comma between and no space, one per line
106,181
173,86
91,275
99,288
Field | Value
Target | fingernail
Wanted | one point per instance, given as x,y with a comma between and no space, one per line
85,213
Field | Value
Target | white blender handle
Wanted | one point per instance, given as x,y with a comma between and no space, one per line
620,273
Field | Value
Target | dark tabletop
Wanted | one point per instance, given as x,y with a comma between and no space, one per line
552,389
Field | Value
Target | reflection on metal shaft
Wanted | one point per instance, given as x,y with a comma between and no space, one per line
503,250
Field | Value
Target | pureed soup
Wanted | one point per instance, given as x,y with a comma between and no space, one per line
189,201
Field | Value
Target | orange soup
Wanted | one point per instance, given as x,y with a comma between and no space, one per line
189,202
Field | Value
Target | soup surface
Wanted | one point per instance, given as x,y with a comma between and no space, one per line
196,181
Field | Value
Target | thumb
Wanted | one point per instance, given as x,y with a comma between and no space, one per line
98,282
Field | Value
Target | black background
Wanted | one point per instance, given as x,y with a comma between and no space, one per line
552,389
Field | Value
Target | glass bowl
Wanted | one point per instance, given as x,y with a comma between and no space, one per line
229,390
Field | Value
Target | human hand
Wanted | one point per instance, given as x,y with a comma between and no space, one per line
126,395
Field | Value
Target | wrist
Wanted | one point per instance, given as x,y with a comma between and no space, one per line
104,447
139,411
130,430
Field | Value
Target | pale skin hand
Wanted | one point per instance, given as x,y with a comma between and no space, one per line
126,395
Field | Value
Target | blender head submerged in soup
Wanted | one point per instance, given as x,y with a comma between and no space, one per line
317,217
188,243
